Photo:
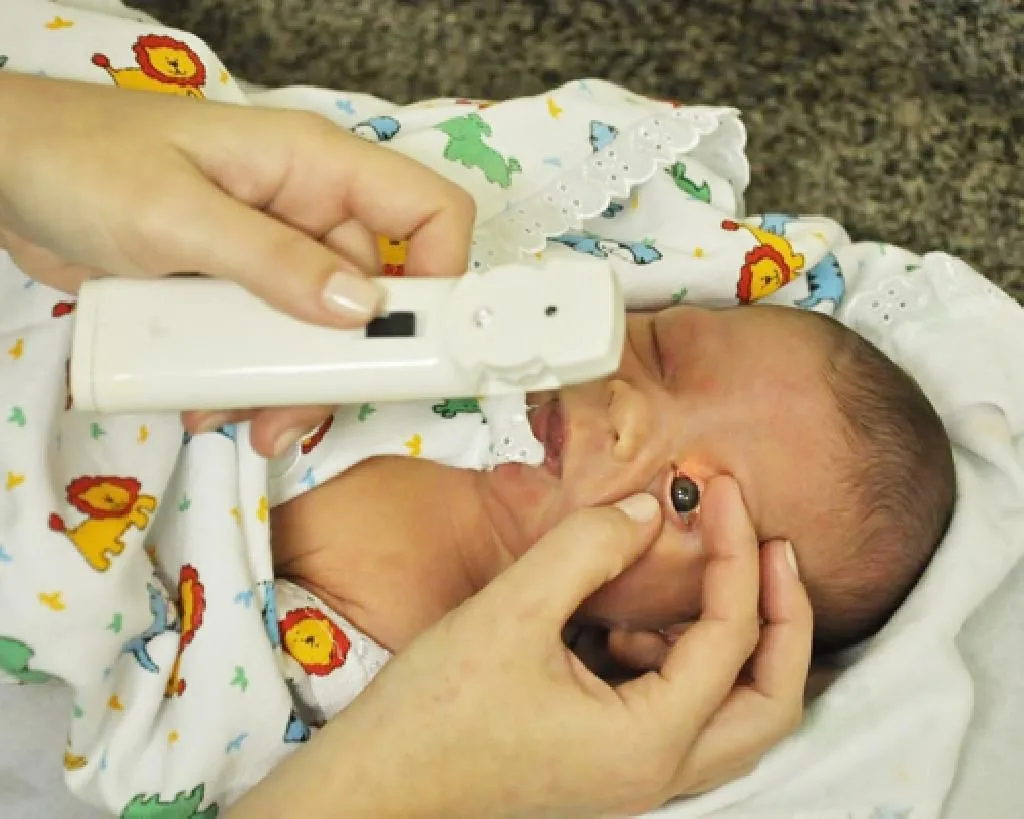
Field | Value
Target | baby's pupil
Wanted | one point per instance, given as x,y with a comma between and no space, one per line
685,494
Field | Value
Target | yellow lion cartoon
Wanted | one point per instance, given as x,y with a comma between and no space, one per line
314,641
768,266
392,256
165,65
111,505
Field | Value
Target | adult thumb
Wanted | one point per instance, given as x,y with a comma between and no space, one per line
585,551
290,270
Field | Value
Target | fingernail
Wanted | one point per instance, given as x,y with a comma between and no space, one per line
286,440
213,421
352,295
791,558
641,507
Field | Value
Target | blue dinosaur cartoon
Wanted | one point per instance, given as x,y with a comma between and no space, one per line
164,620
635,252
825,282
270,612
776,222
296,730
640,252
601,134
229,431
377,129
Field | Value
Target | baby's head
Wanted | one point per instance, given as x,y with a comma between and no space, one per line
834,448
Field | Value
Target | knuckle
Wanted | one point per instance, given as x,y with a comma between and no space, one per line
149,229
658,766
643,781
741,770
751,634
792,719
313,123
463,203
641,768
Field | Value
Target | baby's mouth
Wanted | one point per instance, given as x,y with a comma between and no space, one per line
548,426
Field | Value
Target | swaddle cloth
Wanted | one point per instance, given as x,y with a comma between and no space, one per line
135,565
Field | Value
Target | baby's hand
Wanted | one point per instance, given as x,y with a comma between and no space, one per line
100,181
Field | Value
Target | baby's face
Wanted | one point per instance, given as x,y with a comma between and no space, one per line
699,393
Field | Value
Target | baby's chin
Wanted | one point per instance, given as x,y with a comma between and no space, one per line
528,482
529,494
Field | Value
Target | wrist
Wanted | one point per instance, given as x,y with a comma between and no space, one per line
355,779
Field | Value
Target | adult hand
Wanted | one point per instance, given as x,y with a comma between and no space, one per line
488,714
102,181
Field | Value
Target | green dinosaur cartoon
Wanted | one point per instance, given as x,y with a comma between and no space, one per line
14,659
451,407
466,145
183,806
687,185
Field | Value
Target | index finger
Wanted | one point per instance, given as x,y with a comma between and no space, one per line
702,667
397,197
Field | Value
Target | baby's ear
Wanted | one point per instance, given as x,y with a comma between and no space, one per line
642,650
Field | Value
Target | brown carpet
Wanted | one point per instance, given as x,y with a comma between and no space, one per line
903,120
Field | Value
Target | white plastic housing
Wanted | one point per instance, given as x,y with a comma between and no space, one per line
197,343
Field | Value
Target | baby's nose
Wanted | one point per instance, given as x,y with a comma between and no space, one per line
630,417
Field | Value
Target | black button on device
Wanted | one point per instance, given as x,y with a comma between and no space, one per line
401,324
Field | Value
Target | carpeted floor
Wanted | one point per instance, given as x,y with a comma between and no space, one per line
902,119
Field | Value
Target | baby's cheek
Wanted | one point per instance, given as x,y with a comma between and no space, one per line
604,483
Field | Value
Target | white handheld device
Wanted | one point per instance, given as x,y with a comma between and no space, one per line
197,343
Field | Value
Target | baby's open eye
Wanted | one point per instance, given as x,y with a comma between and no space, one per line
685,494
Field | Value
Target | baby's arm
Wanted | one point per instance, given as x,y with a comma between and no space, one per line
132,572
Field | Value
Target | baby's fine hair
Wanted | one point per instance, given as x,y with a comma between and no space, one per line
899,480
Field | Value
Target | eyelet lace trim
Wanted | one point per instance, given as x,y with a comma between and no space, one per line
512,439
631,159
942,287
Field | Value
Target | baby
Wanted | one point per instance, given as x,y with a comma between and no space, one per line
835,449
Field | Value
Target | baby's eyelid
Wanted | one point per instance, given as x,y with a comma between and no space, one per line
658,359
